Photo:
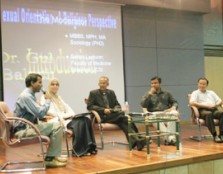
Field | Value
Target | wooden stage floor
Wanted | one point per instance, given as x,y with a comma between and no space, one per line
117,158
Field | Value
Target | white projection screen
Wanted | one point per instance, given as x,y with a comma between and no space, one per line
74,41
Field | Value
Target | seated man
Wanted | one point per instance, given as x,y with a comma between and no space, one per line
27,108
155,99
104,101
208,104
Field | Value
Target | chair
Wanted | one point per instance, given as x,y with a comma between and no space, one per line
96,123
195,118
7,125
67,134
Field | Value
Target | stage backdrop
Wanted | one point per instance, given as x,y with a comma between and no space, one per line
73,41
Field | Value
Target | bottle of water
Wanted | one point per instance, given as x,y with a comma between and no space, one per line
126,107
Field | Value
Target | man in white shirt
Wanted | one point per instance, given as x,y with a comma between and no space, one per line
209,107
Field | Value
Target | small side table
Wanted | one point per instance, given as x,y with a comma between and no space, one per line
147,119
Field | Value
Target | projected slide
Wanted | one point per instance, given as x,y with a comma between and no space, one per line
72,41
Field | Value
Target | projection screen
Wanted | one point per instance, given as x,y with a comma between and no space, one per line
74,41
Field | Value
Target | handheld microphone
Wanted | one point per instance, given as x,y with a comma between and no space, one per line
43,91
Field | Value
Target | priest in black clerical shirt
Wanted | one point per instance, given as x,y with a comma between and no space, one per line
105,102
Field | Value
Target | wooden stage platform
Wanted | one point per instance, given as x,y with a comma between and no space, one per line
194,157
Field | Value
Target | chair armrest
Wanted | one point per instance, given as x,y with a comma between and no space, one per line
96,115
195,111
26,122
12,141
194,114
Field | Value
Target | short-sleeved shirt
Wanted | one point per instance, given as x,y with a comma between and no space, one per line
207,97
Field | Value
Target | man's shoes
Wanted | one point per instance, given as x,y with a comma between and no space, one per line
61,159
217,139
166,143
55,163
94,152
140,144
170,143
134,144
87,154
221,137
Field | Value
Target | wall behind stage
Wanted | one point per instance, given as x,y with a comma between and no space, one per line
162,42
166,43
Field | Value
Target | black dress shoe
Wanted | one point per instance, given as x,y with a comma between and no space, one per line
170,143
94,152
141,144
134,145
166,143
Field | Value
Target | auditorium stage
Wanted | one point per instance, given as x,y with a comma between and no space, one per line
203,157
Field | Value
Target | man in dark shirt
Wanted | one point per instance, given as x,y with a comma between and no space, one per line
104,101
157,100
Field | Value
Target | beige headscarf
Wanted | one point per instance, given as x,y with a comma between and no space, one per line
55,97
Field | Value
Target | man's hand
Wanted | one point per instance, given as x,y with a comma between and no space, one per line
212,106
205,106
47,118
173,108
107,111
152,90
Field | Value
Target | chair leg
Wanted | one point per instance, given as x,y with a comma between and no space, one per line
199,137
102,143
67,145
119,142
68,150
2,168
101,146
27,169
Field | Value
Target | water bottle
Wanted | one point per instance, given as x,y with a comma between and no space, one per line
126,107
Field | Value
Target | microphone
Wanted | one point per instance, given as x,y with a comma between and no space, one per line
43,91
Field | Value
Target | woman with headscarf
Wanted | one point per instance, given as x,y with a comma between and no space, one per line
81,127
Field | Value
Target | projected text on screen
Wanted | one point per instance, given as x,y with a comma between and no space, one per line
69,40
